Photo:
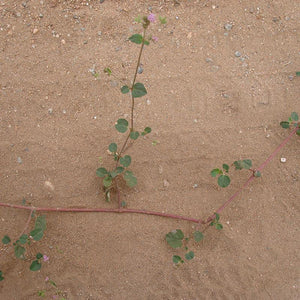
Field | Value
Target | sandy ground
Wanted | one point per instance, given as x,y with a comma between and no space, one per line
206,106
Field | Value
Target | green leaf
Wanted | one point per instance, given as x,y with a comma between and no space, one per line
298,132
23,239
113,147
101,172
134,135
163,20
119,170
121,125
219,226
298,73
226,167
247,164
138,90
136,38
39,255
19,251
123,204
238,165
125,161
107,181
190,255
124,89
198,236
35,265
217,217
146,43
138,19
42,293
6,240
40,223
223,181
294,116
257,174
146,131
1,276
177,259
215,172
285,124
130,179
37,234
107,71
174,238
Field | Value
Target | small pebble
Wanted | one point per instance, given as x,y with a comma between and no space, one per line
283,159
166,183
148,102
228,26
237,54
35,30
64,111
99,33
195,186
63,42
291,77
95,117
41,15
101,1
49,185
176,17
19,160
140,69
50,111
208,60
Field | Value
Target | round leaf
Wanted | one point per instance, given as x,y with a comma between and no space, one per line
226,167
35,265
101,172
37,234
136,38
198,236
247,164
257,174
134,135
190,255
113,147
124,89
215,172
39,255
223,181
219,226
6,240
125,161
19,251
285,124
23,239
121,128
130,179
174,238
40,222
138,90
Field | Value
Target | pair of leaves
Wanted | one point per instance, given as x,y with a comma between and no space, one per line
138,39
243,164
216,222
223,180
188,256
39,228
293,120
174,238
138,90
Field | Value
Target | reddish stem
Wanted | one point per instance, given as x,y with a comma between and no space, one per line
154,213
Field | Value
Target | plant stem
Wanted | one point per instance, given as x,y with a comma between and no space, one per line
132,98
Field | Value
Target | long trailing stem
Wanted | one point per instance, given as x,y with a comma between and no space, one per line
140,211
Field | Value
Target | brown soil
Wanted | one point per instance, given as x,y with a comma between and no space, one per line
206,107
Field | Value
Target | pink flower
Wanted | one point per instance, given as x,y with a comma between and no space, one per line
151,18
47,279
154,39
45,258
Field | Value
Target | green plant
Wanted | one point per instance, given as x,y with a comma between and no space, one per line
292,122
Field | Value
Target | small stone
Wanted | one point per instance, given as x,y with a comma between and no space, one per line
41,15
75,17
35,31
64,111
63,41
166,183
148,102
283,159
237,54
50,111
101,1
18,14
140,69
195,121
228,26
99,33
176,17
225,95
95,117
195,186
208,60
85,42
49,185
291,77
19,160
24,4
160,169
